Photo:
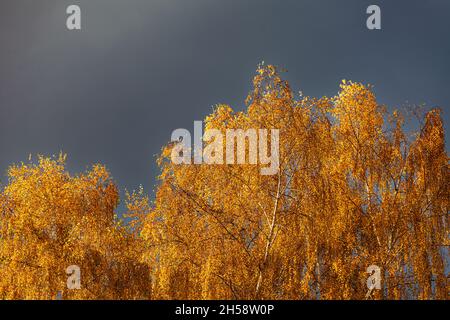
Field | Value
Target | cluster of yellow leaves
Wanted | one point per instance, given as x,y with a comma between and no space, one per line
50,220
353,190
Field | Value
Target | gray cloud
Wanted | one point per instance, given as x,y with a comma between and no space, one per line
114,92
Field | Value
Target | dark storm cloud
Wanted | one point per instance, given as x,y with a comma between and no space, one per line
114,91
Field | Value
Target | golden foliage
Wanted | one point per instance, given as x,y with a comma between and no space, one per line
50,220
353,190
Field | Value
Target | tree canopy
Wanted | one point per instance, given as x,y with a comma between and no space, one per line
353,189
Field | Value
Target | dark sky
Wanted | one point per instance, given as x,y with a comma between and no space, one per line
114,91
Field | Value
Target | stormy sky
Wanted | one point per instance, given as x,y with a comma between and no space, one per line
114,91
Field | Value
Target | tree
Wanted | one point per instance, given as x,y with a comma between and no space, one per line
352,190
50,221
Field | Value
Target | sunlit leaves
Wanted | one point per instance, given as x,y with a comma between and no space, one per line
352,192
51,220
